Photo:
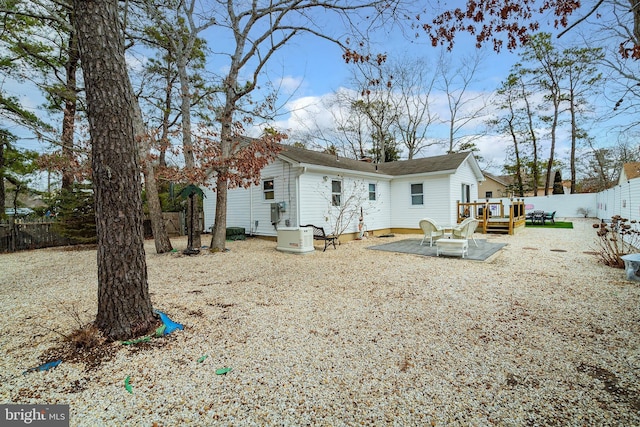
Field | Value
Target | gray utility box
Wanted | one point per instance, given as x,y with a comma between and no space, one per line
297,240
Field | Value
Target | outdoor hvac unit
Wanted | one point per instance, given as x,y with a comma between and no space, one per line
296,240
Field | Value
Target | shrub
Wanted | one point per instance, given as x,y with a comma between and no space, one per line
75,214
617,238
583,211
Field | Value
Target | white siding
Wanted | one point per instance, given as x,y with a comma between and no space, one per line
316,207
378,216
436,201
246,206
391,209
464,175
209,207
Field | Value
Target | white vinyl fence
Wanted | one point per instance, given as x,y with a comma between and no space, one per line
564,205
623,200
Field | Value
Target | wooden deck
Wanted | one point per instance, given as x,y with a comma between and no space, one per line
494,217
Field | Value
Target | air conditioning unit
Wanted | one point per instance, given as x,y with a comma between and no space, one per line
297,240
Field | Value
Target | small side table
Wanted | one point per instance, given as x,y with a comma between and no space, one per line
452,246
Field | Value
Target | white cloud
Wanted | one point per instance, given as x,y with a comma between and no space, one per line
289,85
135,63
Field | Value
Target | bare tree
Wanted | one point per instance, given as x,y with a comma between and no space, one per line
392,98
464,107
617,20
352,128
256,31
513,123
413,84
180,22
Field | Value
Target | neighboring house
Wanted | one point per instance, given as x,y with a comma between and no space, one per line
505,186
307,187
26,198
629,171
493,187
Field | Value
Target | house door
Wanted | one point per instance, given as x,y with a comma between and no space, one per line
465,197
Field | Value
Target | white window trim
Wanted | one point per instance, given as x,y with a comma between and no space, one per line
375,192
334,194
264,192
411,193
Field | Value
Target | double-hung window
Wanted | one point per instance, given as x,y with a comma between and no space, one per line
336,193
372,191
417,194
268,189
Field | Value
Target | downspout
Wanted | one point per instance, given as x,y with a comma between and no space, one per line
251,230
303,170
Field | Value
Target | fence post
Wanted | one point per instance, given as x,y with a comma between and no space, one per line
13,234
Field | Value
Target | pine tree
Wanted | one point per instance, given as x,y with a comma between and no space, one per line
76,215
557,184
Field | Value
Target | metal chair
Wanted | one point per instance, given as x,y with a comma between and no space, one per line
537,217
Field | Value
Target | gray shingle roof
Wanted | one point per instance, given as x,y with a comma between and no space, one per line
447,162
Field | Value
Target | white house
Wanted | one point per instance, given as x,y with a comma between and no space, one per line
308,187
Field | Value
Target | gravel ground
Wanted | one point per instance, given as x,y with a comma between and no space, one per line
540,334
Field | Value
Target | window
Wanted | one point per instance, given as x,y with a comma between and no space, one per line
488,194
267,189
417,195
336,193
372,191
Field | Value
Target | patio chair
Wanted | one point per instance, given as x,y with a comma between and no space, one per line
463,223
550,216
431,230
537,217
466,230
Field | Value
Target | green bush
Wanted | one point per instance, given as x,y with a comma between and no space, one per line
75,214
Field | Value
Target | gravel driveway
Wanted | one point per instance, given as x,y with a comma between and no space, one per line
540,334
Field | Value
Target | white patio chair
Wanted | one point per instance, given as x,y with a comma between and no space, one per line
466,230
463,223
431,230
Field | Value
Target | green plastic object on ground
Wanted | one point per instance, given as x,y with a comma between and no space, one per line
201,358
160,330
223,371
137,341
127,386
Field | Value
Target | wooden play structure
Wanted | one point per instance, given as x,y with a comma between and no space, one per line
494,217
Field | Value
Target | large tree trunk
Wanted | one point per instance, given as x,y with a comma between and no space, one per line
160,236
70,106
2,189
219,234
574,138
552,149
187,147
124,305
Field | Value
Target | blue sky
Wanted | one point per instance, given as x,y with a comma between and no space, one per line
320,71
311,69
